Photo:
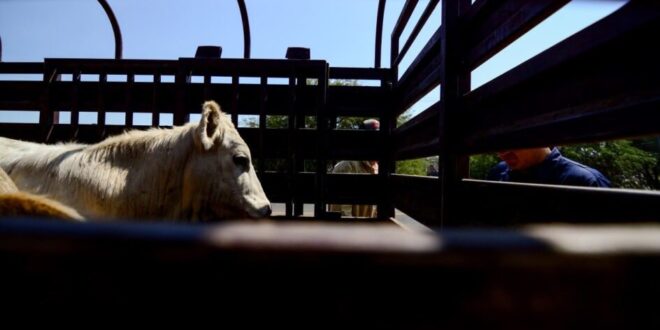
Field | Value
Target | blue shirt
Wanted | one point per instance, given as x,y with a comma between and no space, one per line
555,169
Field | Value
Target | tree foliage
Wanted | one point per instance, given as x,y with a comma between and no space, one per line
480,165
624,164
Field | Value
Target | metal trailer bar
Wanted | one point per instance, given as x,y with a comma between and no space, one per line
115,28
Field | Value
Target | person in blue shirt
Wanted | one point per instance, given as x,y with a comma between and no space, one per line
545,166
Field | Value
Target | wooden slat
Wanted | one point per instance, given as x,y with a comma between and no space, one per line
420,136
418,197
598,84
506,203
491,25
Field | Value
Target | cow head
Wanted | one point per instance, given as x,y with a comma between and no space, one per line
219,179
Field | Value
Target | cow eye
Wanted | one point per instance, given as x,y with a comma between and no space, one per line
242,161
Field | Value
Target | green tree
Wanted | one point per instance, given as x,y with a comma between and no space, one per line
624,164
480,165
651,145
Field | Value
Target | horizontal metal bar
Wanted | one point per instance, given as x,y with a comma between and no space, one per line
507,203
404,17
22,67
598,84
359,189
20,95
109,66
255,67
422,75
418,27
358,101
360,73
492,25
419,137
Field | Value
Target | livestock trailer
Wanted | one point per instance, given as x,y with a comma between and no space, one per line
477,252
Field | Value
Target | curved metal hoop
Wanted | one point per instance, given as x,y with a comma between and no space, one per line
118,38
379,33
246,29
115,28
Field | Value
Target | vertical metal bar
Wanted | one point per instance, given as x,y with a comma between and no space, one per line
386,165
128,104
207,87
455,83
155,111
322,144
75,107
100,117
46,115
298,205
234,99
263,98
292,173
182,80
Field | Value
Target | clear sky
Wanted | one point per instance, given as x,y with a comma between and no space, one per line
339,31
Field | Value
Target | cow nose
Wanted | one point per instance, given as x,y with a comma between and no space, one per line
265,211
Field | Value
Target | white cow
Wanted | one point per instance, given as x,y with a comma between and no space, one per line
15,203
194,172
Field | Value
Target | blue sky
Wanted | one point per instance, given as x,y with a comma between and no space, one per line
339,31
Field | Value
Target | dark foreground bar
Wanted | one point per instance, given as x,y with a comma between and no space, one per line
552,276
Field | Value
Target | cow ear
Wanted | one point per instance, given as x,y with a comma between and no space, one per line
209,125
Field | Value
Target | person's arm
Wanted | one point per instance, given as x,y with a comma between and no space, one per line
578,174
